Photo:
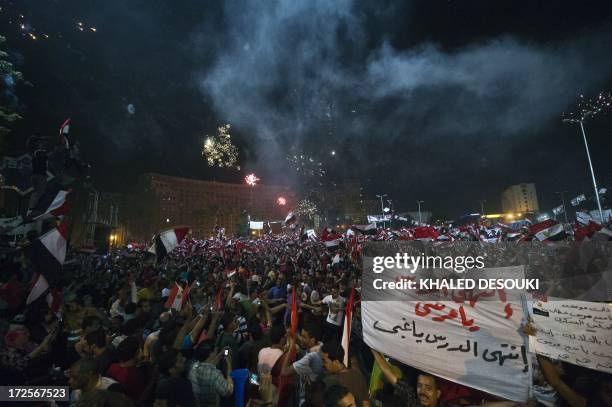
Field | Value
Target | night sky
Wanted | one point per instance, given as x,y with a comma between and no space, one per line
443,101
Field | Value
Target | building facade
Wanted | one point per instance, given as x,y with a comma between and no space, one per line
520,198
163,201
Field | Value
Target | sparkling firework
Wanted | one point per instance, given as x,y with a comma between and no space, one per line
251,180
30,31
306,208
281,201
219,150
588,108
306,165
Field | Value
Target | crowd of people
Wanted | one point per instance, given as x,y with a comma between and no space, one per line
210,324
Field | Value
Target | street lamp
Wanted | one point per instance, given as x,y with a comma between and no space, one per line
563,203
419,203
382,206
482,202
587,109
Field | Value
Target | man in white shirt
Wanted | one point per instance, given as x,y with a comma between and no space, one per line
335,314
309,367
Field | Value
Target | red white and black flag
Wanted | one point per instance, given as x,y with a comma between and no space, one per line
290,219
48,252
63,131
165,241
41,286
346,331
178,297
59,205
330,238
548,230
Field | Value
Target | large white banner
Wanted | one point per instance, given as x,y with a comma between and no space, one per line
577,332
474,342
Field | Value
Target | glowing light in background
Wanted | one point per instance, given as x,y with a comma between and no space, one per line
281,201
251,180
589,107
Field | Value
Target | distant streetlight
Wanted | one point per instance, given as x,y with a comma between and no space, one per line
382,206
482,202
420,220
563,203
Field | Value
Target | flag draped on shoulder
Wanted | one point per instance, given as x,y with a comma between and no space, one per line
164,242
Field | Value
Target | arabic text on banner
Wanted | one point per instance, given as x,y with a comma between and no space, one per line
474,343
577,332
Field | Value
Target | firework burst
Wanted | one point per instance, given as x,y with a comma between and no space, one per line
306,165
306,208
219,150
251,180
588,108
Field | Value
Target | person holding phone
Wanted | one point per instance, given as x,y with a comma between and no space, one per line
208,382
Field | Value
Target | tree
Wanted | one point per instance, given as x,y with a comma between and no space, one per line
10,76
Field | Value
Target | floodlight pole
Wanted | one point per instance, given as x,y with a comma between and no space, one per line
586,146
419,203
382,208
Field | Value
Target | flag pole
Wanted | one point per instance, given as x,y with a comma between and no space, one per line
586,146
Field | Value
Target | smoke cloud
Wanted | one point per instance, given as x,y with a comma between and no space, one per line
303,75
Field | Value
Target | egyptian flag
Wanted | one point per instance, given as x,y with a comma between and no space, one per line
165,241
365,229
346,332
580,232
178,297
290,219
49,251
548,230
330,238
219,298
294,314
39,287
54,301
425,232
53,297
59,205
63,131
